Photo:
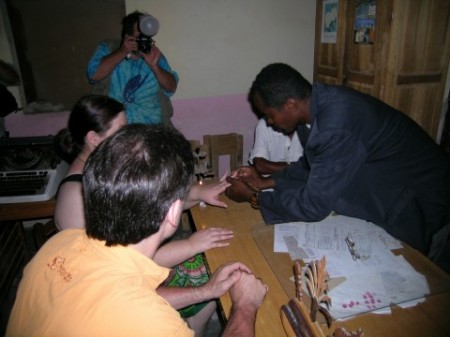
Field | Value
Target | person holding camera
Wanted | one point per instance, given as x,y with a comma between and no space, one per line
135,72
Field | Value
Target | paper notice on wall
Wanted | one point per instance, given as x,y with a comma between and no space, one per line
329,21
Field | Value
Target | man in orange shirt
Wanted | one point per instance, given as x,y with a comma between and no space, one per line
102,281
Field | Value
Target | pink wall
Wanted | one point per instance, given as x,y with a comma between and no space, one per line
216,115
194,117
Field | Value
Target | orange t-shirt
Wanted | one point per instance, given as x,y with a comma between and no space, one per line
76,286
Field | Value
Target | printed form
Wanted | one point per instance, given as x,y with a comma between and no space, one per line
361,252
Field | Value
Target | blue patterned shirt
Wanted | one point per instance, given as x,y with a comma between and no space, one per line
134,84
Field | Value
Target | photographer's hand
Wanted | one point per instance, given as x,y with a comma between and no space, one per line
129,45
108,63
152,58
165,78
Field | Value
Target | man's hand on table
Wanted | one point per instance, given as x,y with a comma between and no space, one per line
248,292
247,295
244,182
224,278
238,190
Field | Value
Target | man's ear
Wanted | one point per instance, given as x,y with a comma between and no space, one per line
299,108
173,216
291,103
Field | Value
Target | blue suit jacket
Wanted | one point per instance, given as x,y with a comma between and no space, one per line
366,160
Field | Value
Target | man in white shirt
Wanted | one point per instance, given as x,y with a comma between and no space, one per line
273,150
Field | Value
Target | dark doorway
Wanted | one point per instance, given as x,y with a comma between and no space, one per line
54,40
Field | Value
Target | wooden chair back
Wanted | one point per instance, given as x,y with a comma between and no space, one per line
224,144
194,144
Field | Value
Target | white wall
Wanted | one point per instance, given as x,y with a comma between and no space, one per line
218,46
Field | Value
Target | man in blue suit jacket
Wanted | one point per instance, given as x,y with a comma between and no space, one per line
362,159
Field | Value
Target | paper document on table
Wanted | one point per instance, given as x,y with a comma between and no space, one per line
281,231
376,290
330,234
296,252
310,241
360,252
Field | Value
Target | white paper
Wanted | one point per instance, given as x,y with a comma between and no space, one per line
372,282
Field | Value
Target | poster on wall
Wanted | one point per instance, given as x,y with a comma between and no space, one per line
364,26
330,21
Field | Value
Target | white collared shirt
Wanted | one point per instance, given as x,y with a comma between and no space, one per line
274,146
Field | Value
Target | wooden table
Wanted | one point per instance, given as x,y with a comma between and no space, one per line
241,218
253,245
27,210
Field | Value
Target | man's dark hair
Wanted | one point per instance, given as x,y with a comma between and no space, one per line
128,23
277,82
130,181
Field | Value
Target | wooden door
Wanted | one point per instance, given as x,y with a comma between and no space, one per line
329,57
347,62
418,61
364,63
406,62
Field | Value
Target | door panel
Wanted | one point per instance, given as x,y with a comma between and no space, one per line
419,59
329,57
405,66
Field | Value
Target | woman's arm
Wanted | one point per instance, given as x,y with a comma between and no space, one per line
177,251
69,209
208,193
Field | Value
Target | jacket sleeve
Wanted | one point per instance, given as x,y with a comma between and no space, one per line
310,195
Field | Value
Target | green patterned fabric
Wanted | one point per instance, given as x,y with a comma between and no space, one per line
190,273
